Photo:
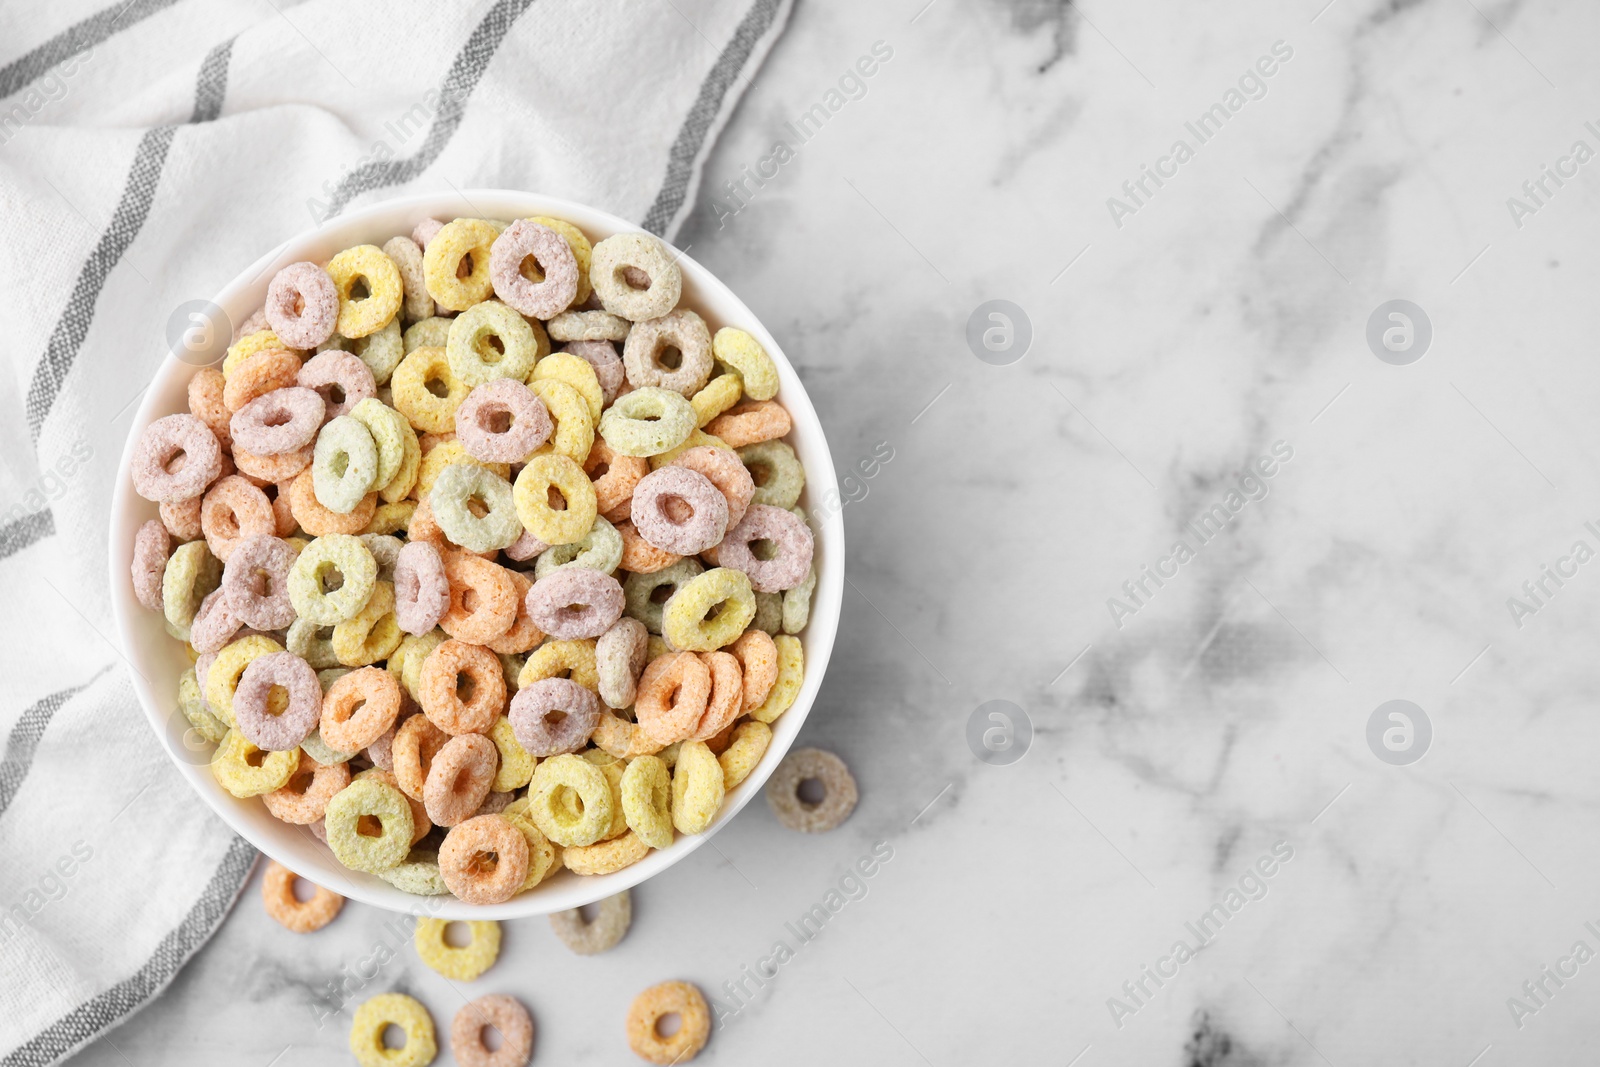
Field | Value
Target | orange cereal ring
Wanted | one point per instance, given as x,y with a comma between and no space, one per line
260,374
758,658
640,556
751,422
206,403
317,520
617,736
182,519
645,1015
415,744
303,797
282,515
726,471
234,510
484,860
614,476
523,634
299,916
272,470
483,599
673,693
605,857
358,708
459,780
726,702
462,688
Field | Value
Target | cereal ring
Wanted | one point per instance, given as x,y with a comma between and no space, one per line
797,603
425,231
483,600
722,468
405,663
385,549
418,875
640,556
751,422
432,332
232,766
758,661
777,472
405,479
679,510
342,819
614,476
807,764
605,857
749,744
542,857
719,394
561,659
727,695
232,511
341,379
341,554
569,411
359,708
151,546
441,451
553,258
304,797
577,372
421,825
647,594
293,914
769,613
413,385
258,375
191,573
602,358
284,420
469,240
785,532
176,458
668,998
516,764
696,439
318,520
388,430
458,707
586,327
368,266
502,421
526,546
524,634
248,343
570,800
390,520
503,1015
461,964
272,470
554,715
620,656
302,305
371,634
672,696
381,351
647,801
743,353
312,643
193,705
648,345
617,735
644,253
484,860
697,788
415,303
377,1015
647,422
461,485
600,550
585,937
710,611
575,602
458,781
206,404
489,341
791,672
416,742
531,495
214,625
277,732
582,253
421,590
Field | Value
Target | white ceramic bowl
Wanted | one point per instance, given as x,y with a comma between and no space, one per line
160,660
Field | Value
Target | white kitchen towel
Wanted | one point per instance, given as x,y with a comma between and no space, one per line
149,151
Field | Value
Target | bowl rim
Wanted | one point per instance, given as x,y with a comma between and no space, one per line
129,511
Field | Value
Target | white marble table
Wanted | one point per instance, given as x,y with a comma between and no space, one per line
1176,338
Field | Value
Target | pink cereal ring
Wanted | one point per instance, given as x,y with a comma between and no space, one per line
525,547
602,356
302,305
255,582
342,379
785,530
539,300
151,547
554,715
575,602
177,457
234,510
459,778
214,625
421,588
656,514
284,420
726,471
424,232
277,733
502,421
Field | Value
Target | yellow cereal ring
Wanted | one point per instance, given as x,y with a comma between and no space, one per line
750,741
738,350
405,479
696,439
192,572
470,239
532,498
574,432
247,346
684,620
576,372
396,1009
562,659
569,800
697,787
516,766
314,566
391,518
478,362
427,410
193,705
719,394
389,430
791,672
612,767
223,677
443,455
378,799
644,1020
406,661
459,964
371,313
542,856
231,767
372,633
582,251
605,857
647,801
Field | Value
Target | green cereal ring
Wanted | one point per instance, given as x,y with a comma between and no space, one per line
462,239
427,333
307,640
405,662
341,818
313,601
516,766
314,746
647,422
231,767
600,549
769,613
474,360
192,572
427,410
455,489
640,590
776,471
791,672
743,353
193,706
381,351
344,466
576,372
418,875
710,611
405,479
531,496
697,787
371,313
569,800
647,801
388,429
223,677
797,603
376,1016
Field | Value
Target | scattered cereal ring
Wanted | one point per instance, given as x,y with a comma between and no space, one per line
526,546
416,742
531,496
620,656
421,590
785,532
697,788
283,731
749,744
678,510
342,821
461,964
415,303
458,781
502,421
176,458
451,706
249,343
736,349
259,374
668,998
769,613
648,342
343,554
805,764
575,602
605,857
696,439
507,1018
293,914
231,766
433,332
570,800
483,599
647,596
710,611
372,633
284,420
554,715
304,797
616,735
317,519
582,253
600,550
585,937
553,258
588,326
647,422
421,825
425,231
470,240
461,485
644,253
719,394
191,573
758,659
516,764
569,411
672,696
484,860
779,478
359,708
418,875
151,545
381,1012
475,360
607,365
302,305
368,265
797,603
647,801
414,396
344,467
441,451
405,479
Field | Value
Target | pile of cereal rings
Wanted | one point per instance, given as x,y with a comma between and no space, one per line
487,554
